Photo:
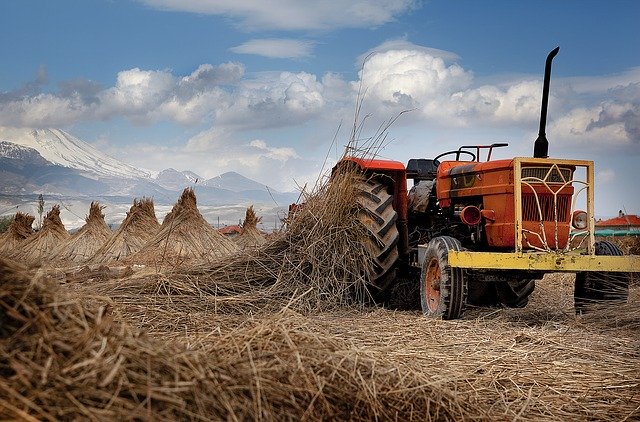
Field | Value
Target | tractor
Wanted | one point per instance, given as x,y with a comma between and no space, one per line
477,231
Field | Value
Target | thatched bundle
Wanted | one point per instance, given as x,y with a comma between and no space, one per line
85,243
37,249
185,237
66,358
19,230
319,262
250,236
138,227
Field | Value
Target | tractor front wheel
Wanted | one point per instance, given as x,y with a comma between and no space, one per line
601,287
443,290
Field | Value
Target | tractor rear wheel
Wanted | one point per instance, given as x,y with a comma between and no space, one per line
601,287
443,290
515,294
376,213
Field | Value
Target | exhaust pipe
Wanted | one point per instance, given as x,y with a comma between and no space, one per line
541,146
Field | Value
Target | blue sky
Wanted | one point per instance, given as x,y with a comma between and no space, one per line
262,87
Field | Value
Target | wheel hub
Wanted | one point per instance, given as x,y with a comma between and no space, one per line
432,281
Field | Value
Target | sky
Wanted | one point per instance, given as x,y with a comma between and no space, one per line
270,89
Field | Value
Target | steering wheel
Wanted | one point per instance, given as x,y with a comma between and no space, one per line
457,152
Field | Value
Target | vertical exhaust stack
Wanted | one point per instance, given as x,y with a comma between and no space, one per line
541,146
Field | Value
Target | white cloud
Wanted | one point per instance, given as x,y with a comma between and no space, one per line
137,93
397,75
401,44
142,96
43,110
294,14
274,100
602,126
279,48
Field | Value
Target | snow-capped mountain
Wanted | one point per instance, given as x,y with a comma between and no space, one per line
66,170
63,149
234,182
174,179
21,153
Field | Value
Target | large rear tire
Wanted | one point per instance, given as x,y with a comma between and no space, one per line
515,294
443,290
376,213
601,287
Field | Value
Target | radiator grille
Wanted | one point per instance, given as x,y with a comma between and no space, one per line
557,175
530,207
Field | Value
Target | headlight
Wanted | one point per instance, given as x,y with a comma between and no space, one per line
579,220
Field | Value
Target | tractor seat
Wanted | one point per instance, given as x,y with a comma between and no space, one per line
422,169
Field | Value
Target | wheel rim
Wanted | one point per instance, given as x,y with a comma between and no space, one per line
432,283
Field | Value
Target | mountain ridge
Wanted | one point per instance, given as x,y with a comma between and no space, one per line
27,169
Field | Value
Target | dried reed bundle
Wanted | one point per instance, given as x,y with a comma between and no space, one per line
37,249
67,358
19,230
86,242
250,236
184,238
138,227
320,260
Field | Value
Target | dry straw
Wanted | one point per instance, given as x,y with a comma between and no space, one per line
68,358
184,238
37,249
319,262
251,237
86,242
19,230
138,227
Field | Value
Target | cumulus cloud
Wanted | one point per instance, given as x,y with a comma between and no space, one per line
293,14
273,100
607,125
397,76
278,48
143,96
401,44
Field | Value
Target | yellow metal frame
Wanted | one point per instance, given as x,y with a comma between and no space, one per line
541,261
580,258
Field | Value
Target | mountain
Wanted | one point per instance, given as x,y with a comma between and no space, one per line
25,171
235,182
174,179
24,155
59,147
56,164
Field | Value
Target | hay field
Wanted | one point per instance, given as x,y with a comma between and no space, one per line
286,331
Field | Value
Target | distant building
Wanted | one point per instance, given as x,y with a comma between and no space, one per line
622,225
231,231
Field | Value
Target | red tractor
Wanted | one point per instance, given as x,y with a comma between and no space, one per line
481,231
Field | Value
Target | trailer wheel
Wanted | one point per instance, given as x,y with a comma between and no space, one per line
515,294
376,213
601,287
443,290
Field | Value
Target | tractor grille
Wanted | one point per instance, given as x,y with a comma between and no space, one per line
530,210
557,175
